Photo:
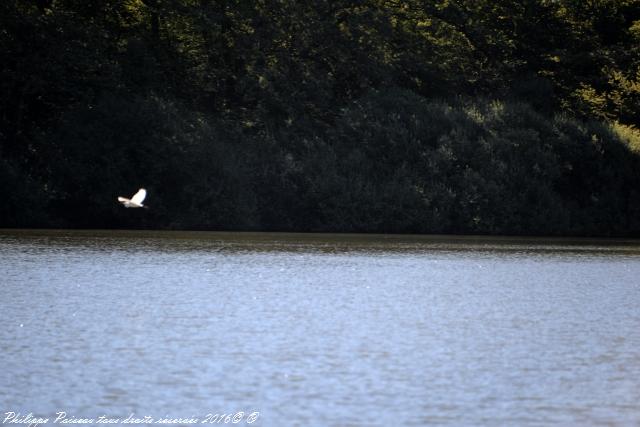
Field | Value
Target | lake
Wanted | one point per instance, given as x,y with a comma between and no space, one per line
318,330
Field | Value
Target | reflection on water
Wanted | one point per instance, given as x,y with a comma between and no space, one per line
321,329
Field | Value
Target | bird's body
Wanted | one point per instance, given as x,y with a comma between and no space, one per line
135,201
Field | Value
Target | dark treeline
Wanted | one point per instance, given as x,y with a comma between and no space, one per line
443,116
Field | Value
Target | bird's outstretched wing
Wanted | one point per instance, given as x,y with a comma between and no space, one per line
139,196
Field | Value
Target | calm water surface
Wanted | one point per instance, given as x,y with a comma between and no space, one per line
320,330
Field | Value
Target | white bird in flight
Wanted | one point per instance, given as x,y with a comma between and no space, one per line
135,201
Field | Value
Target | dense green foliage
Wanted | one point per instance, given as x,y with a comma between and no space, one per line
444,116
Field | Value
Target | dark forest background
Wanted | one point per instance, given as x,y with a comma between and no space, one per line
444,116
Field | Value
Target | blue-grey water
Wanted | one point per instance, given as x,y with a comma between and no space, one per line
319,330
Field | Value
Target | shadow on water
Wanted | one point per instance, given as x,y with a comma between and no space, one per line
317,242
